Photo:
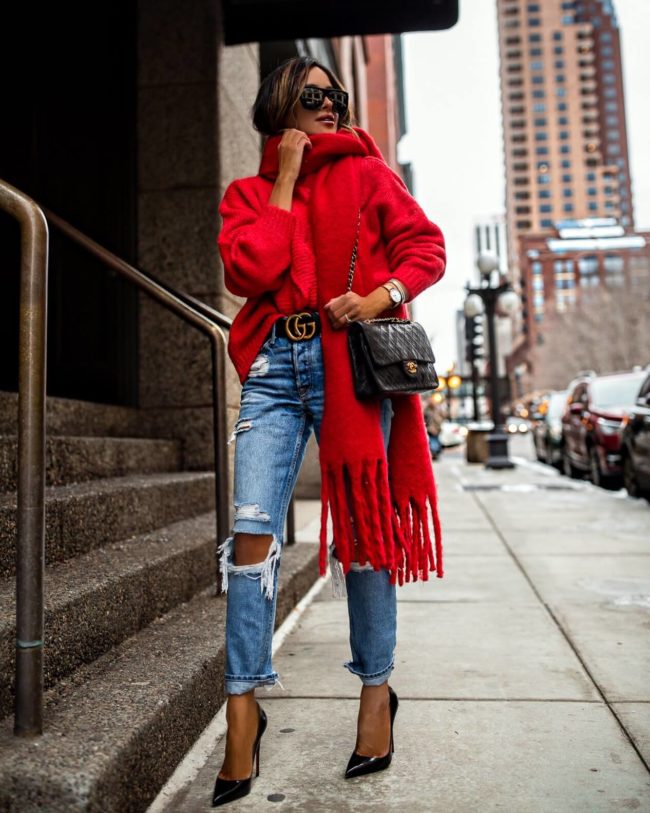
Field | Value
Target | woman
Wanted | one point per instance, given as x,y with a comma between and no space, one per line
286,243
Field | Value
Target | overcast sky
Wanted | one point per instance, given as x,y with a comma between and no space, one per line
454,140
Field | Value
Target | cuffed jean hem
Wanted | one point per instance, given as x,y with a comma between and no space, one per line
375,679
241,685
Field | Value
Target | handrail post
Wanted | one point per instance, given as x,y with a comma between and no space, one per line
30,542
220,435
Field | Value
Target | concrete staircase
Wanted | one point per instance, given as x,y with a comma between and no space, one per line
133,626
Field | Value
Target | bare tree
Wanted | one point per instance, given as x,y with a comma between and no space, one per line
608,330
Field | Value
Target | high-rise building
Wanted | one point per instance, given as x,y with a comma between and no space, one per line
563,109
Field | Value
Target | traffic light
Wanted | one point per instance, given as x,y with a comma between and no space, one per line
474,341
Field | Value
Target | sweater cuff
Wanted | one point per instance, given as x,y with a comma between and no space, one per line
280,220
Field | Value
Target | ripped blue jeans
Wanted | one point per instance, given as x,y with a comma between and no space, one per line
281,403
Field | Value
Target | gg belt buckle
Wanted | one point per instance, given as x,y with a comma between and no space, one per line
299,331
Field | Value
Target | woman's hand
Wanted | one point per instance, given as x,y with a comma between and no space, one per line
290,151
351,307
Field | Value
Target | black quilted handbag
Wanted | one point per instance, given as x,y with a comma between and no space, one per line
389,356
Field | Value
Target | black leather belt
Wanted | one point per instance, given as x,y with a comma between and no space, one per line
299,327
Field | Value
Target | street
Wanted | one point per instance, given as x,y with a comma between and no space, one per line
522,675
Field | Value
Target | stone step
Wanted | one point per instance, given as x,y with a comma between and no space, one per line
78,459
85,516
95,601
116,729
67,416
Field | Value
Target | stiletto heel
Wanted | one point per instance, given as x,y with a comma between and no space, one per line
227,790
360,765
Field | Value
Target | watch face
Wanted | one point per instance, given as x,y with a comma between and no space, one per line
395,296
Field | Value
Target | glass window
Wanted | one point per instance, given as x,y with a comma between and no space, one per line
543,179
539,107
535,51
537,267
564,148
591,191
611,106
537,80
611,121
591,176
559,78
560,91
616,390
533,8
561,106
540,122
558,50
534,22
568,207
559,64
545,223
538,283
541,150
592,206
565,163
557,36
567,193
536,65
534,38
545,193
608,64
563,121
605,36
609,79
563,135
538,94
545,207
567,19
606,50
566,178
609,93
613,149
613,135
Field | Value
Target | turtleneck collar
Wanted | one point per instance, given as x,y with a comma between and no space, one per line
325,147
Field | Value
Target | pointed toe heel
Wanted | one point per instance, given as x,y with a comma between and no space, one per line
227,790
359,765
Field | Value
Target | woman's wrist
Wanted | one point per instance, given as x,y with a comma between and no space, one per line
282,192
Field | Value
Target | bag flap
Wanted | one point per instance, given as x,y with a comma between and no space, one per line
394,342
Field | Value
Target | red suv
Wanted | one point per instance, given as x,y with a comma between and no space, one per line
591,425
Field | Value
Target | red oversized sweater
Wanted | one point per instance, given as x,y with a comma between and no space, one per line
268,253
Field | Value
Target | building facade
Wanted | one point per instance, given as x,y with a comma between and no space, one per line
563,109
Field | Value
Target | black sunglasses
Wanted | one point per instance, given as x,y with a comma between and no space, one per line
312,98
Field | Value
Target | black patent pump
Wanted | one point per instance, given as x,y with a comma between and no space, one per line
227,790
360,765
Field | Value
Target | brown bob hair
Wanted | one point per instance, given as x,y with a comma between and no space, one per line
280,91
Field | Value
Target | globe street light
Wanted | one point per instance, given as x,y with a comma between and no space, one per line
493,299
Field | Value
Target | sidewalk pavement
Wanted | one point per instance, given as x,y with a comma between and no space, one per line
523,675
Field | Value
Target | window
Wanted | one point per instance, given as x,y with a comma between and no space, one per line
534,38
522,210
568,19
607,64
558,50
591,176
565,148
613,149
609,93
518,138
613,135
592,206
545,208
611,121
535,52
537,267
536,65
561,106
543,180
563,121
563,135
537,80
540,122
611,106
607,50
520,167
557,36
522,195
545,193
542,166
566,178
560,78
588,268
539,107
605,36
565,163
541,150
559,64
519,152
545,223
534,22
609,79
567,193
523,224
533,8
513,40
560,91
538,94
591,191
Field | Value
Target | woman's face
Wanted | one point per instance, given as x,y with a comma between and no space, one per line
323,120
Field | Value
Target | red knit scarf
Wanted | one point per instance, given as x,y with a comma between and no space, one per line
384,502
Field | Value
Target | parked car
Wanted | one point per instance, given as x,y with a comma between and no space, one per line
547,428
635,445
591,425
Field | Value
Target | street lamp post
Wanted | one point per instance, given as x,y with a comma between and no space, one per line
490,300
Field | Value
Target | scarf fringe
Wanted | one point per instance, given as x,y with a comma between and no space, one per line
393,536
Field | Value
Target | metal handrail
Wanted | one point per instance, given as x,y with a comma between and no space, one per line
30,540
30,546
